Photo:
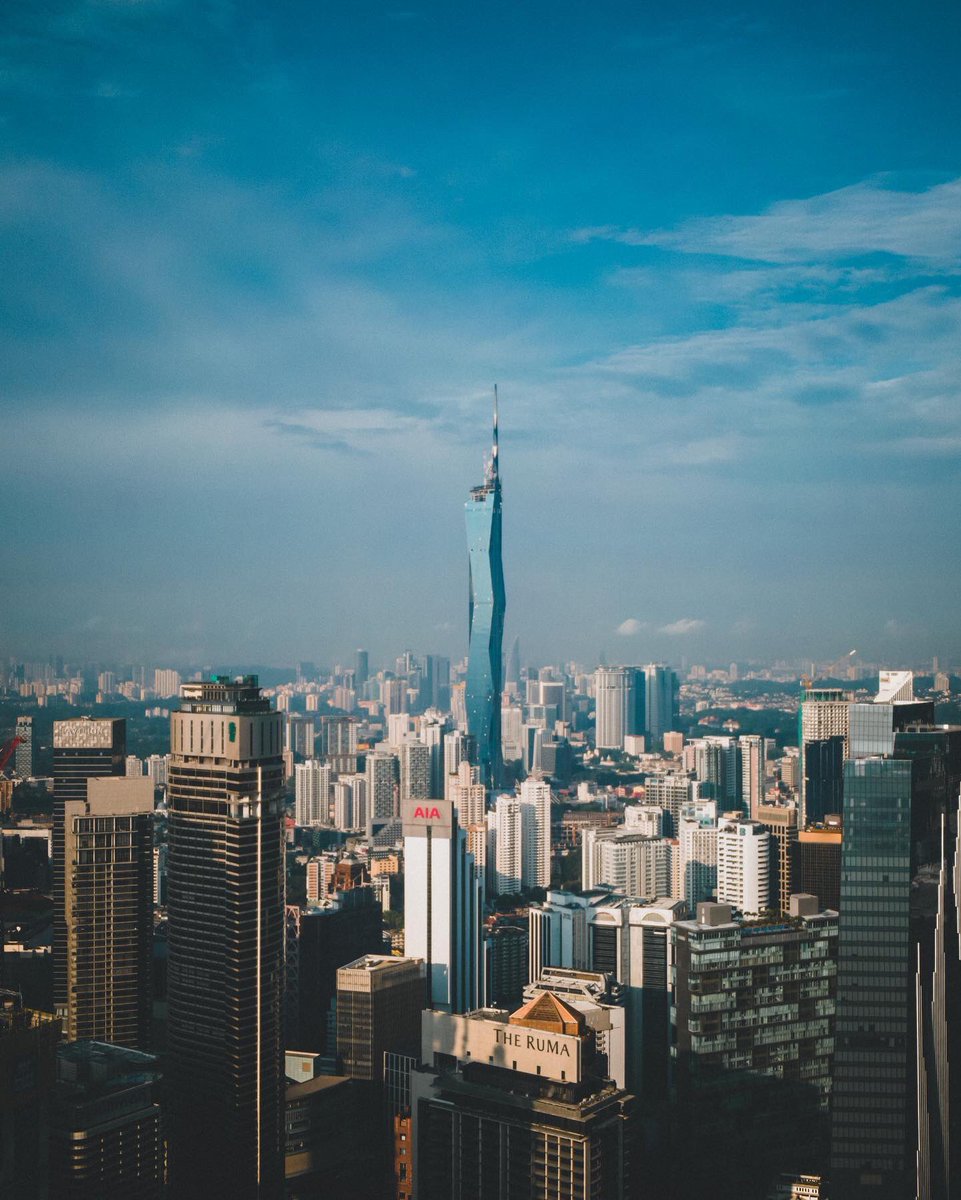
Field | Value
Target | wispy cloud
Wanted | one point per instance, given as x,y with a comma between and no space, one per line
683,626
630,627
855,221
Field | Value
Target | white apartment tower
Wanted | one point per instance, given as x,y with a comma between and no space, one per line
312,782
743,865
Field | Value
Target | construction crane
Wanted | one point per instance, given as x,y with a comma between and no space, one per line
7,751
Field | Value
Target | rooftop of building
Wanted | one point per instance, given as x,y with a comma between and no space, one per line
312,1087
241,694
14,1015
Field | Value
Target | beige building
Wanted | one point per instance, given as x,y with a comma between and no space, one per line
108,911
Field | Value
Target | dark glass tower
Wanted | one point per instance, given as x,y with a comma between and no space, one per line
226,943
486,617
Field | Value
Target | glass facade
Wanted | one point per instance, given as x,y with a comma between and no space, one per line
873,1105
485,620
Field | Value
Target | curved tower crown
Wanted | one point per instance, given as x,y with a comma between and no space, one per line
486,616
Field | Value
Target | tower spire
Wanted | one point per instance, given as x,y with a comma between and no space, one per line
494,471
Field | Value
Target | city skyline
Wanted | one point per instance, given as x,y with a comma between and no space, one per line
711,260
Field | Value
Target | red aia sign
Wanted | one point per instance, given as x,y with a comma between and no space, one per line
427,814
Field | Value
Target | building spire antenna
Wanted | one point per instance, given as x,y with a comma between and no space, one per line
494,447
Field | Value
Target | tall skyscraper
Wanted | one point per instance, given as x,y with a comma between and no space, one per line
82,749
660,703
108,909
361,669
226,942
443,897
486,617
743,865
823,742
619,704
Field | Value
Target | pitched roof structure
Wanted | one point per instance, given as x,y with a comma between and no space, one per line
548,1012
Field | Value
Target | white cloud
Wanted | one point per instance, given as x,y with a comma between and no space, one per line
630,627
682,626
862,219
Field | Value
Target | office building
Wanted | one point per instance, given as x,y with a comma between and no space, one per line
106,1135
660,703
630,940
443,897
328,1140
23,755
780,820
224,1076
28,1054
517,1105
312,782
505,959
823,746
753,1027
379,1002
816,861
83,749
743,865
558,932
619,704
339,929
485,618
887,810
361,668
753,751
108,911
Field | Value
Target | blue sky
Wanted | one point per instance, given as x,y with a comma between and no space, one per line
263,262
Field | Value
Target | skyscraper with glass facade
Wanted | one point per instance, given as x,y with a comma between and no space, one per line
486,617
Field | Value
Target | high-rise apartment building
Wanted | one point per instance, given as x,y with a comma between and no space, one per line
415,771
383,785
108,911
226,942
753,1029
166,682
443,897
696,875
743,865
312,782
630,862
486,617
535,797
83,749
468,796
619,705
